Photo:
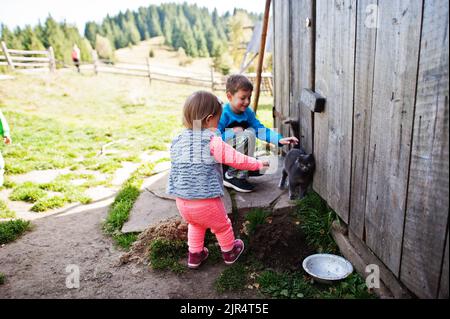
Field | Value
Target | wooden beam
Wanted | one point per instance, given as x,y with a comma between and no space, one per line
335,66
427,204
302,67
364,72
394,91
149,71
26,52
7,56
29,59
51,56
262,50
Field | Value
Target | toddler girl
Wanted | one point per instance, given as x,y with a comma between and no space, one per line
195,178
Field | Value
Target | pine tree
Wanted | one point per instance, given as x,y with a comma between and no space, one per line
200,39
134,36
168,32
85,50
140,18
104,48
30,41
108,30
11,40
90,32
196,30
154,23
238,34
55,38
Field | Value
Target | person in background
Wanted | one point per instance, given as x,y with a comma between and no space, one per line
4,131
76,57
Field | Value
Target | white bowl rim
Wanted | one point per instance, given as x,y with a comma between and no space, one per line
346,262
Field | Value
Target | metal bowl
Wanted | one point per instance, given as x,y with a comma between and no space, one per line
327,268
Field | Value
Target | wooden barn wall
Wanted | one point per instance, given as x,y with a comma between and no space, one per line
382,144
428,192
334,79
394,89
302,66
281,21
364,75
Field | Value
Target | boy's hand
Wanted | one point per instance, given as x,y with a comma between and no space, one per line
7,140
289,140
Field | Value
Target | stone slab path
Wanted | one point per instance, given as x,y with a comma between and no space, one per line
38,264
155,206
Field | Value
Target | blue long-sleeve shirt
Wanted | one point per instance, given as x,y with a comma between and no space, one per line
246,120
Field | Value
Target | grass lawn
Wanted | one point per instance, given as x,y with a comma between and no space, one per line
62,121
12,229
316,219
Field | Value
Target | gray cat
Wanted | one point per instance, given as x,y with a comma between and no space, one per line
299,167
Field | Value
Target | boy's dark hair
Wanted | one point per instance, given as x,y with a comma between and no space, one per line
238,82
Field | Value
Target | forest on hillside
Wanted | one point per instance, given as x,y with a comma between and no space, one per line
199,32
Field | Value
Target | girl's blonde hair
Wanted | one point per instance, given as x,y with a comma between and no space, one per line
199,106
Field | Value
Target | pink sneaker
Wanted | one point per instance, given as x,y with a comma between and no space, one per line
231,256
195,260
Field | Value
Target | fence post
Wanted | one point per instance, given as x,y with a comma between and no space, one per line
149,73
7,56
95,61
52,62
212,78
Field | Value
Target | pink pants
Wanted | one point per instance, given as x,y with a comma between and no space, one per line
203,214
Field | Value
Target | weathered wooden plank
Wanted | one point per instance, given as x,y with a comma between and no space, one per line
443,291
321,86
396,64
30,65
7,55
29,59
277,53
285,36
302,66
427,207
27,52
281,17
366,32
335,52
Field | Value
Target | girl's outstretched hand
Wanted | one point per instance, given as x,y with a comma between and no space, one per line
7,140
289,140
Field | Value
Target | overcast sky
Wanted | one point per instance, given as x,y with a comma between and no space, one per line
21,12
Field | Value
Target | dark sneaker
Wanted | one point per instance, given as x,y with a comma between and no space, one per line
231,256
195,260
255,174
239,185
225,168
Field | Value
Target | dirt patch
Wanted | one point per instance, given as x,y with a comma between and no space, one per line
279,243
173,229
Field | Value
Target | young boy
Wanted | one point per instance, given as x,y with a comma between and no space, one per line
240,128
4,131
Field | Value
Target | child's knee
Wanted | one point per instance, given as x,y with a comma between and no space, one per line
223,228
250,134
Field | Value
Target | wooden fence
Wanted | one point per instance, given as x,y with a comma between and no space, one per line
172,75
382,143
27,59
45,60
